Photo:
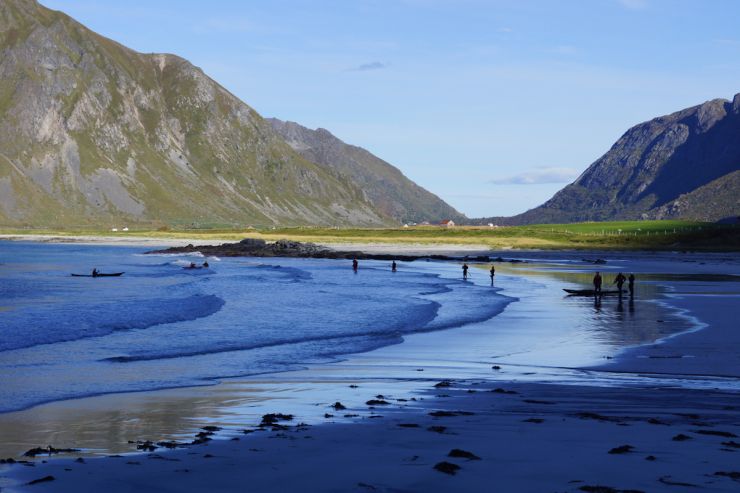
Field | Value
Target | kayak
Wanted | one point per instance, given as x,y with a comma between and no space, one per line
114,274
591,292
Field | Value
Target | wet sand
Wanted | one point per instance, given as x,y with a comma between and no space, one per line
565,452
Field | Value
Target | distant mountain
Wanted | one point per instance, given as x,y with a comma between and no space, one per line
682,166
384,185
93,133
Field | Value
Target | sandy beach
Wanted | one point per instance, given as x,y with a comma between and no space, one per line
519,402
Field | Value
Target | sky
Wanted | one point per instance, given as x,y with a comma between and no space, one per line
492,105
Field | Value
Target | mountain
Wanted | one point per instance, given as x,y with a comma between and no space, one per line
384,185
685,165
93,133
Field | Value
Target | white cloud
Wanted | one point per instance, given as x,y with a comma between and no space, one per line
539,176
369,66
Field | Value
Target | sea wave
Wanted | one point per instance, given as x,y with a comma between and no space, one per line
53,323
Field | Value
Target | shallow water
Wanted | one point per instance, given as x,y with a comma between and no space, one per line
160,325
255,317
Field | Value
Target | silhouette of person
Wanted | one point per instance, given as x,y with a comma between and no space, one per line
355,264
493,273
465,271
597,283
95,272
631,284
393,266
619,281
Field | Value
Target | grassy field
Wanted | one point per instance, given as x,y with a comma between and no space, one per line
663,235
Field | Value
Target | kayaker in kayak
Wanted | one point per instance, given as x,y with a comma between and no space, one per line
95,272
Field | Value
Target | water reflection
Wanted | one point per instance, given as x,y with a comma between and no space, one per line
542,333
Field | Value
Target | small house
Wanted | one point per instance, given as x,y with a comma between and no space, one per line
448,223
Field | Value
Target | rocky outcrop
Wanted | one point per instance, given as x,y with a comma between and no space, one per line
384,186
251,247
93,133
656,169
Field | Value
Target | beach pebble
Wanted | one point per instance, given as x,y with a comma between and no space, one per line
447,467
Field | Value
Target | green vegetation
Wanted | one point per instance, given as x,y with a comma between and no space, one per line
632,235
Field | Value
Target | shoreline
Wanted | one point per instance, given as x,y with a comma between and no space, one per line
536,392
415,246
572,439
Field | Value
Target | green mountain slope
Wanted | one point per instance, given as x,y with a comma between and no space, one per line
93,133
385,186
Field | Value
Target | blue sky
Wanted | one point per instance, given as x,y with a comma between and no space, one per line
492,105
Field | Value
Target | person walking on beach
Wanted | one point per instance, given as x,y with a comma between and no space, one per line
393,266
355,264
619,281
465,271
631,284
493,273
597,283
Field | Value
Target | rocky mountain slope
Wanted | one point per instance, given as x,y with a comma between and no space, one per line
684,165
93,133
385,186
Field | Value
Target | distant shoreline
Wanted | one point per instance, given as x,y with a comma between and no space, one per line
683,236
151,241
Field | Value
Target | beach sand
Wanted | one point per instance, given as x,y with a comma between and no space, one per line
657,417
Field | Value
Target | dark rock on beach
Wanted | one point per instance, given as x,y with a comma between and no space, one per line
606,489
377,402
447,467
623,449
272,418
717,433
45,479
253,247
49,450
462,454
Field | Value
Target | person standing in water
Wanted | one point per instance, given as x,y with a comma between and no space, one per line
355,264
619,281
465,271
597,283
393,266
631,284
493,273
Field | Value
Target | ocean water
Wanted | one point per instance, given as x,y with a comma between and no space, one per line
162,326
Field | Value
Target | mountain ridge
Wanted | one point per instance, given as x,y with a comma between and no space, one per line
92,132
659,169
385,186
